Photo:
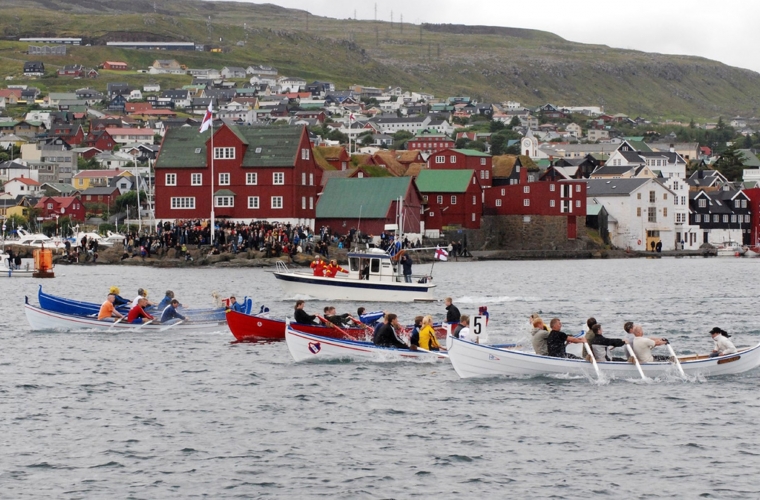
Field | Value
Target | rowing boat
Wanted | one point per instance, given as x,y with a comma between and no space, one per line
63,305
305,346
41,319
253,327
477,360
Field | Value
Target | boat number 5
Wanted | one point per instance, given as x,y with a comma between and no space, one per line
479,327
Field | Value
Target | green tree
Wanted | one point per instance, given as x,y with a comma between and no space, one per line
128,199
461,143
337,135
477,145
514,122
402,135
367,140
499,141
496,125
731,163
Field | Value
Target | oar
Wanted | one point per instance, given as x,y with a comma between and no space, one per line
116,322
636,360
593,360
678,363
437,353
341,330
143,324
163,329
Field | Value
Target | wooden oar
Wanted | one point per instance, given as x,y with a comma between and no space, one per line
636,360
341,330
438,353
116,322
678,363
143,324
593,359
163,329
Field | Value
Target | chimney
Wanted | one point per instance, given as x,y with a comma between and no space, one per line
672,148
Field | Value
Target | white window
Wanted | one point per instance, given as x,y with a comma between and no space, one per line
552,203
171,179
196,179
488,174
224,153
453,159
526,202
474,200
278,178
473,217
183,202
482,161
578,204
744,203
482,174
439,199
697,218
503,192
746,218
224,201
716,218
702,203
303,202
725,218
305,154
276,201
577,188
251,178
498,203
440,159
311,179
311,203
303,178
453,200
733,218
253,202
526,189
224,179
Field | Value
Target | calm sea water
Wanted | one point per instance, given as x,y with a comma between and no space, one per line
188,415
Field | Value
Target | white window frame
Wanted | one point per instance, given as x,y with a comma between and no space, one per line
311,179
311,203
182,202
170,179
453,199
277,202
224,201
526,189
498,202
482,161
303,202
702,203
196,179
305,153
224,153
439,199
453,159
526,202
251,178
552,203
303,178
224,178
278,178
253,202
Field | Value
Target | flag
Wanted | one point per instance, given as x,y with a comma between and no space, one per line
351,118
207,118
441,254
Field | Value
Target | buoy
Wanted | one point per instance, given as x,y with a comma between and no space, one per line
43,263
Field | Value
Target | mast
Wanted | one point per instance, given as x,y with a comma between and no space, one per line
212,180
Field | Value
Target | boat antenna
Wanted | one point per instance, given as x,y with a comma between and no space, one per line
358,226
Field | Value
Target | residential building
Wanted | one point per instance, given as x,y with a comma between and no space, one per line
85,179
464,159
597,134
722,215
34,68
95,196
451,199
430,142
22,186
61,206
233,72
122,135
115,65
258,173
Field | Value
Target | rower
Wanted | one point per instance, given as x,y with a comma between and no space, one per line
137,313
170,313
119,300
107,310
142,294
301,316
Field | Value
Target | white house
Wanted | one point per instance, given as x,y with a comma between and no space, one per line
113,160
641,211
685,233
22,186
233,72
574,129
152,87
130,135
290,84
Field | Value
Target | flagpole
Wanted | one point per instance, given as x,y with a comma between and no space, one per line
212,176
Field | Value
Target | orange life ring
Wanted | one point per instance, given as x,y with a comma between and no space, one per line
639,242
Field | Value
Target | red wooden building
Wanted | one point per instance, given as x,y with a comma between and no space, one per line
754,210
452,198
72,134
561,199
464,159
115,65
261,173
61,206
430,142
100,139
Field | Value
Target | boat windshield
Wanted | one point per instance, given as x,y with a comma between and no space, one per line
353,264
375,265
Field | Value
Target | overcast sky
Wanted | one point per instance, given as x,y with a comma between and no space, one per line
724,30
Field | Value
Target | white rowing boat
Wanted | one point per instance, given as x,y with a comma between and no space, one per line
477,360
41,319
305,346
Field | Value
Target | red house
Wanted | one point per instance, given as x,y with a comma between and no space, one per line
452,198
103,195
115,65
258,173
72,134
61,206
100,139
464,159
336,156
137,107
430,142
562,199
754,204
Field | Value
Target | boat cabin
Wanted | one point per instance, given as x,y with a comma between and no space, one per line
373,265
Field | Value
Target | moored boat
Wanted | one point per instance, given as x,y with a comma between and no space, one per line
305,346
373,276
730,249
41,319
252,327
63,305
752,251
477,360
7,271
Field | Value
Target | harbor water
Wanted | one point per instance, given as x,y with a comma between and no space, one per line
194,415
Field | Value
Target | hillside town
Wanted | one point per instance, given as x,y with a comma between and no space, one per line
283,149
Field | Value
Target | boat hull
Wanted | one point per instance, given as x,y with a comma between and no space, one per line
41,320
305,347
252,327
353,289
474,360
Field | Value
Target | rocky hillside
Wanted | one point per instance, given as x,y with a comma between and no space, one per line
487,63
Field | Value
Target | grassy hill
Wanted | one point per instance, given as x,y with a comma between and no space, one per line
487,63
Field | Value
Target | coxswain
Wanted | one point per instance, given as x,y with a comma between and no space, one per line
332,269
137,313
107,310
170,313
235,305
319,266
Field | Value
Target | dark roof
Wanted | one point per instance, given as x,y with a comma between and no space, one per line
632,157
184,147
612,170
99,190
613,187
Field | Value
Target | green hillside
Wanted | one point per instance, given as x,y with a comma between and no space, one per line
486,63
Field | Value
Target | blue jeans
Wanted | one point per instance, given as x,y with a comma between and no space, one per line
408,278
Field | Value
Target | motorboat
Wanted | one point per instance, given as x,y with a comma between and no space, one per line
36,240
730,249
7,270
